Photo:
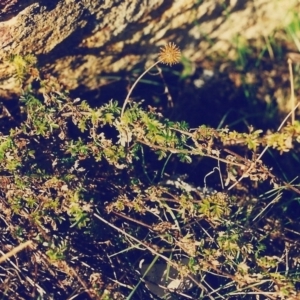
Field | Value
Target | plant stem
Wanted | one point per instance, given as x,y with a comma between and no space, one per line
134,85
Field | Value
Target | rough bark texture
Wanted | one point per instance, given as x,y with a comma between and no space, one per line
79,41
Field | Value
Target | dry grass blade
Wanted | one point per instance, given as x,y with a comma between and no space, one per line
15,251
172,263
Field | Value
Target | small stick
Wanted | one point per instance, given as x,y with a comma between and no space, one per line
15,251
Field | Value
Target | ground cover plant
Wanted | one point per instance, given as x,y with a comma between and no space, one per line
87,196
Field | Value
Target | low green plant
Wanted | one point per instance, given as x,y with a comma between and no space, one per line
77,182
